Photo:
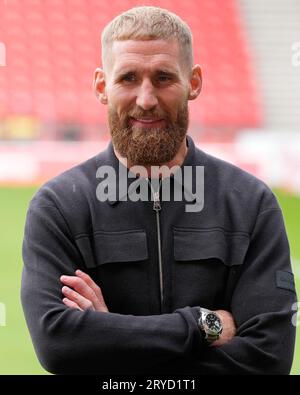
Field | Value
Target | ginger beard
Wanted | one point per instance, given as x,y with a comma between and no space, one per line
148,146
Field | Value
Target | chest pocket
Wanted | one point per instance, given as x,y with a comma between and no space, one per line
121,246
199,244
111,247
206,262
117,261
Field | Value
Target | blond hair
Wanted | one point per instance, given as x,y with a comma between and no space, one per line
149,23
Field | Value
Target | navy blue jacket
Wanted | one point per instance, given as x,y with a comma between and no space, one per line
233,254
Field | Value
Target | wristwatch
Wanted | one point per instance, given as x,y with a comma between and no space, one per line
210,324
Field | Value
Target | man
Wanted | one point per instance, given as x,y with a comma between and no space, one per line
115,284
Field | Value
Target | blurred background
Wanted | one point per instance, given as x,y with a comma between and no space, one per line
248,113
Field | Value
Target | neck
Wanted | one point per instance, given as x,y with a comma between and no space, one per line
176,161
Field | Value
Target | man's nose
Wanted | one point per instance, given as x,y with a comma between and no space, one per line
146,96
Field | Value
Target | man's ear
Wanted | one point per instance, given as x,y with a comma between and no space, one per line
195,82
100,85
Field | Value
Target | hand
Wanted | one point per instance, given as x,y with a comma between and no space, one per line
85,295
229,328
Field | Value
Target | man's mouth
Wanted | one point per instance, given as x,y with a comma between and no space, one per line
147,122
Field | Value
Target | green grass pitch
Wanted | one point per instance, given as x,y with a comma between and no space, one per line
16,351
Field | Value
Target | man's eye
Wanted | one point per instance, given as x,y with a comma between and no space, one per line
164,78
128,78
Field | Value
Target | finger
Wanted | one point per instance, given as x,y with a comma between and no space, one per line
90,282
86,291
82,302
71,304
81,287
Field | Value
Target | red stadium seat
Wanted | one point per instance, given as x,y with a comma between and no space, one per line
53,47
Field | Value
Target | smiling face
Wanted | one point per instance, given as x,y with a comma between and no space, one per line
147,85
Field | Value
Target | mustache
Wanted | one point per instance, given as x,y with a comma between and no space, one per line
144,114
138,114
124,119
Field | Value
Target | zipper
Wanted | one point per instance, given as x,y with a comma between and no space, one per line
157,208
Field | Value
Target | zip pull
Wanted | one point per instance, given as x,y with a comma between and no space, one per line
156,198
156,202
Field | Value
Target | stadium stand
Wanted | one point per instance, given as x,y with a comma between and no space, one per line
273,27
53,47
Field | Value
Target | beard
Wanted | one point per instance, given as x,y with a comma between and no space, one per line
148,146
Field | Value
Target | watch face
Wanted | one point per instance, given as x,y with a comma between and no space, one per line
213,322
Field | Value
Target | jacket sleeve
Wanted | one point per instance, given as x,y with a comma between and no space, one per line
71,341
261,305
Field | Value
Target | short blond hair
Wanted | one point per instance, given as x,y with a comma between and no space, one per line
149,23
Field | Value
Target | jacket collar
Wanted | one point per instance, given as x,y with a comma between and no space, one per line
123,172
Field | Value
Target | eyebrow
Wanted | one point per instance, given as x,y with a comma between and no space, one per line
121,73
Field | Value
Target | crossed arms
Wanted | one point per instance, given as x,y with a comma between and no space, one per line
80,335
82,293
